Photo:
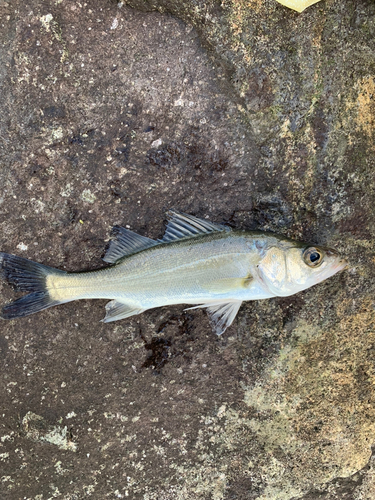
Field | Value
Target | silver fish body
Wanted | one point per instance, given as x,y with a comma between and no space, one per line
196,263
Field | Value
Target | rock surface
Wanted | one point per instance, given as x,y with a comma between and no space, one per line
244,112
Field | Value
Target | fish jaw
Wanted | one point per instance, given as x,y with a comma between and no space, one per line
339,265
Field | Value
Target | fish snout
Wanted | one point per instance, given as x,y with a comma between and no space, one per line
340,262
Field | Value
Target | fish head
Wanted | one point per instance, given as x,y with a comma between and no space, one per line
290,267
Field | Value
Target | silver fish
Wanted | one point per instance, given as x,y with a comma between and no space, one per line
197,262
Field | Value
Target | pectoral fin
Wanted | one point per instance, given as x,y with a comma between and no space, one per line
117,310
221,314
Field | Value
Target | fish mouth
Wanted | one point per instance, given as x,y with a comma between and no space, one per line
338,266
341,264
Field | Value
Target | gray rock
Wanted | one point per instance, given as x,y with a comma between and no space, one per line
244,112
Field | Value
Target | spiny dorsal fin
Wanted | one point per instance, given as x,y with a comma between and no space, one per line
126,242
187,226
221,314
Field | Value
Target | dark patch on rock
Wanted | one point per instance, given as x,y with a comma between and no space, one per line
259,93
3,346
54,112
321,128
158,357
271,211
290,307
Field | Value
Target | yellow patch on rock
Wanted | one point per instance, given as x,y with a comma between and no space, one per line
317,403
366,106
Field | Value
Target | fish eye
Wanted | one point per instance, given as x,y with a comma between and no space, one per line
312,257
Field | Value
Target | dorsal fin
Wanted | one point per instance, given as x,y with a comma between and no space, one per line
179,226
126,242
187,226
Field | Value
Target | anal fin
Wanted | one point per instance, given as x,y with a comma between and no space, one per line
118,310
221,314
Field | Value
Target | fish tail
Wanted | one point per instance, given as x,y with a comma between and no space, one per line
27,276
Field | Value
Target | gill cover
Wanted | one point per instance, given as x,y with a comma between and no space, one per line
272,270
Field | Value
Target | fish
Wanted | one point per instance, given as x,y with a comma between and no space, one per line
197,262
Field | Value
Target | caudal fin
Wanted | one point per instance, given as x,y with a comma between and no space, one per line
26,276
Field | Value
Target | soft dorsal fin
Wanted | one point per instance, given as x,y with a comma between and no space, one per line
186,226
126,242
221,314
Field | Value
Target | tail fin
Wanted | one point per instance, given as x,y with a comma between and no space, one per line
26,276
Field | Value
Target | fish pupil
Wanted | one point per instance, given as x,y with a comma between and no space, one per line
314,257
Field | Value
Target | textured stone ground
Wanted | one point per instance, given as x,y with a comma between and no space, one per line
244,112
